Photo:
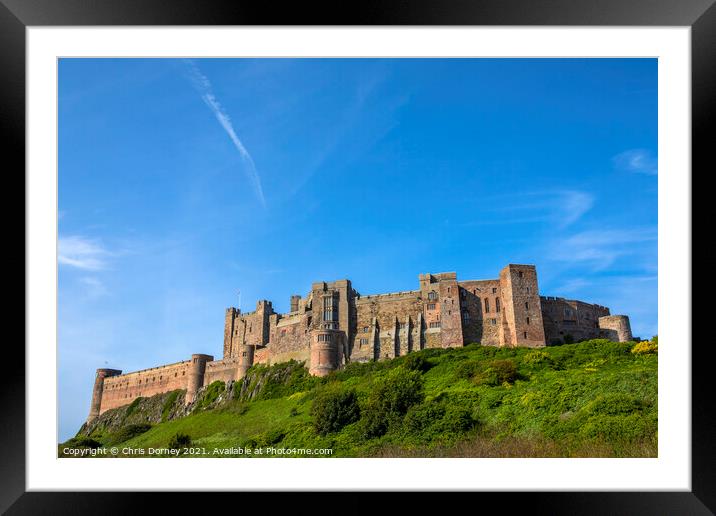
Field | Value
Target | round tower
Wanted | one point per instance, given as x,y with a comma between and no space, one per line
98,389
615,327
246,360
195,381
325,351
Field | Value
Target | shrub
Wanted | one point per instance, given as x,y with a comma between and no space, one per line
538,358
169,403
467,369
82,441
179,441
133,406
416,362
646,347
390,399
294,412
211,394
437,419
498,372
129,432
333,408
614,404
270,437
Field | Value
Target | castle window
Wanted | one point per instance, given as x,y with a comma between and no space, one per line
283,332
175,375
401,326
497,304
432,295
493,321
324,338
487,305
243,354
363,342
525,334
494,291
435,324
431,306
520,275
527,305
528,290
528,320
366,329
183,373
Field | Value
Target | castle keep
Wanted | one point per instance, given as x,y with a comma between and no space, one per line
333,324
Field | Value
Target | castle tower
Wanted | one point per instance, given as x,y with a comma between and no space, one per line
246,360
229,330
196,375
615,328
326,355
98,389
295,300
522,317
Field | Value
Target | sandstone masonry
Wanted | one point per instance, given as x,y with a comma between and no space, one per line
333,325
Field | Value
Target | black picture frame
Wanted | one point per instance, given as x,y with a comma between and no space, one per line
700,15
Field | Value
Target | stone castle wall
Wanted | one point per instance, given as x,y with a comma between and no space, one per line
570,319
122,389
333,324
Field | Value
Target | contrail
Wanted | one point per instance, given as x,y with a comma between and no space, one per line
202,84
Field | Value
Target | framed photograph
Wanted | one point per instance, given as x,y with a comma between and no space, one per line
421,249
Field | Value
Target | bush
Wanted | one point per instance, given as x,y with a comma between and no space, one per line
538,358
169,403
498,372
467,369
179,441
646,347
333,408
271,437
437,419
614,404
390,399
416,362
133,406
129,432
211,394
82,441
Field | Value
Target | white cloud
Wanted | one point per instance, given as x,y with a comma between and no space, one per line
81,252
561,208
601,247
95,288
203,85
639,161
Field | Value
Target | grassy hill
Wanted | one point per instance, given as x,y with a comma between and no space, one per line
590,399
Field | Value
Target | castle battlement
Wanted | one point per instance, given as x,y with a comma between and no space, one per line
333,325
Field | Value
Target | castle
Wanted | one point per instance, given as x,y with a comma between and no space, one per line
333,325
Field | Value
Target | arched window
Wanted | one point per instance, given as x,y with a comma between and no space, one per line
432,295
487,305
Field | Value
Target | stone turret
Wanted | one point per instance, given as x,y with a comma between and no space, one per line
98,389
246,360
615,328
197,367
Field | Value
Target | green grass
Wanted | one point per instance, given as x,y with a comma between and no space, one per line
593,398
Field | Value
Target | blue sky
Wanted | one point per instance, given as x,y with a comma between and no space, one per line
182,182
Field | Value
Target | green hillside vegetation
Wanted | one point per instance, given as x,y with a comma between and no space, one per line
590,399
